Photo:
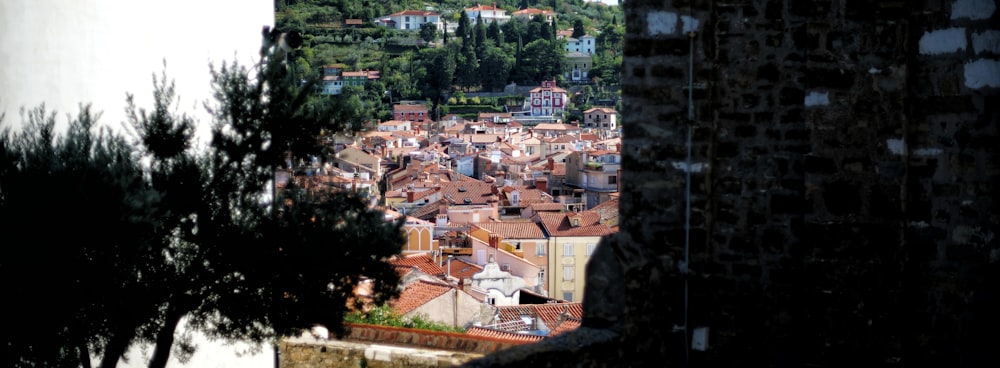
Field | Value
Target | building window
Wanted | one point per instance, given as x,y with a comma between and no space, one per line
539,249
568,296
590,249
541,275
612,179
568,273
568,250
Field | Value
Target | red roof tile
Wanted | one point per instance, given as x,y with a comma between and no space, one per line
557,317
558,224
478,192
421,261
461,269
503,335
547,207
417,294
514,230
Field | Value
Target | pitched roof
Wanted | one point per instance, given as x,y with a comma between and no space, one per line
409,107
605,110
514,230
462,269
553,315
503,335
555,126
415,12
417,294
534,11
485,7
538,207
558,224
421,261
426,212
553,89
476,191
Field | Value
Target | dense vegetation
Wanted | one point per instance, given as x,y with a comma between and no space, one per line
477,57
385,316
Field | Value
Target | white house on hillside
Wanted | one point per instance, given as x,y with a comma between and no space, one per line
584,44
489,14
411,20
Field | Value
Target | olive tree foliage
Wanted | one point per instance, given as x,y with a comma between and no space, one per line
141,234
78,220
259,264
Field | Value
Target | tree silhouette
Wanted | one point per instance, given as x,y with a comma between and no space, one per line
146,233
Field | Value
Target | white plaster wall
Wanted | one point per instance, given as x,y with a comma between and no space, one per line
442,309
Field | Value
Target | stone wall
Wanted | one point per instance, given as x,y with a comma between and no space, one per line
385,346
841,195
311,353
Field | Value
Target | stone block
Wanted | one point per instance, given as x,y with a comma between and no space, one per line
787,203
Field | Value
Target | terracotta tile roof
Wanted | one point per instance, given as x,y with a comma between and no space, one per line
564,139
559,169
553,315
605,110
417,294
514,230
534,11
476,191
503,335
484,115
484,138
421,261
539,207
426,212
555,126
569,324
484,7
461,269
409,107
529,196
415,12
558,224
611,204
553,89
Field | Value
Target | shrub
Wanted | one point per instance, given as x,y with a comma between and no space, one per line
385,316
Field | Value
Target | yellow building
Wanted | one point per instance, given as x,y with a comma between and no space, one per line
572,238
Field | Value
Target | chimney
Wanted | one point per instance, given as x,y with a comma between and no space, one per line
542,184
410,194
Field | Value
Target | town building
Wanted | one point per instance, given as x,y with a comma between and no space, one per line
411,20
490,14
547,100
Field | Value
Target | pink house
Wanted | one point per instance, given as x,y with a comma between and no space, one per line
546,100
